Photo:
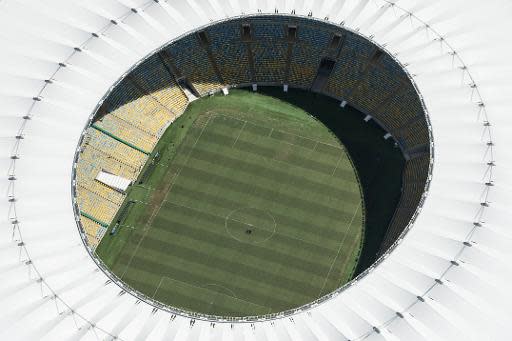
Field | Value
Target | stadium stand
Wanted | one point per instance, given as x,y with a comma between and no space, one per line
373,89
308,50
98,203
230,52
86,178
304,65
413,183
269,48
93,230
414,134
270,61
345,75
126,129
157,81
93,157
127,103
361,47
193,62
116,149
127,132
265,50
391,66
95,205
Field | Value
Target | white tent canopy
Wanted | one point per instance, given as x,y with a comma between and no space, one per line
449,277
114,181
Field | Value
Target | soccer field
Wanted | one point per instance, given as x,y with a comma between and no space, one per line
252,207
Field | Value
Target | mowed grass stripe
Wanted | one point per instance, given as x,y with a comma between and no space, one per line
229,305
327,240
276,134
246,261
337,185
186,296
314,222
233,266
263,145
250,147
301,200
257,172
224,125
216,224
274,172
223,205
177,213
269,137
272,251
295,139
145,280
247,193
191,271
299,203
312,164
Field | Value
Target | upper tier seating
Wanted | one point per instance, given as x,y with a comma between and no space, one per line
346,74
308,51
127,132
192,61
413,178
230,52
141,110
157,81
269,49
373,89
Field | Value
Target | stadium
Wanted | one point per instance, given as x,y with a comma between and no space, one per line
255,170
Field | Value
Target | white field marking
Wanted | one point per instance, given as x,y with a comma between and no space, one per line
285,132
188,157
216,292
146,229
145,187
241,241
313,150
240,133
276,231
158,287
339,249
148,224
353,243
282,234
271,131
337,164
214,297
148,193
341,148
232,293
127,226
233,117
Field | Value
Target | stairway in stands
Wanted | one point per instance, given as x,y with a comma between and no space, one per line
190,96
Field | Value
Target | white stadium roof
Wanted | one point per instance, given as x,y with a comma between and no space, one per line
448,279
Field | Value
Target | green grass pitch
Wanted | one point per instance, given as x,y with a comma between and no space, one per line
253,207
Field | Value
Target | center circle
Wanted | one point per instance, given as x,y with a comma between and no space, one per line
250,225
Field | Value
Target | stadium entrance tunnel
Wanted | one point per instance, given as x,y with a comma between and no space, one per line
258,203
